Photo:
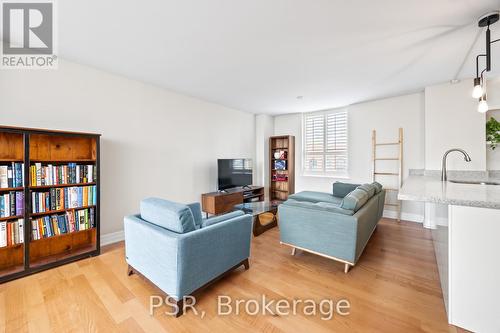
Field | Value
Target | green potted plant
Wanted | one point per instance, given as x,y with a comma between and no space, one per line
492,132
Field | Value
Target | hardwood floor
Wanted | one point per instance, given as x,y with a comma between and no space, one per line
393,288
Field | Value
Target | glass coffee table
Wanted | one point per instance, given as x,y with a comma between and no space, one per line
263,212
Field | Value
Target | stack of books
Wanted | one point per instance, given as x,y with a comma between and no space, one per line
54,225
12,175
11,233
279,177
62,198
71,173
12,204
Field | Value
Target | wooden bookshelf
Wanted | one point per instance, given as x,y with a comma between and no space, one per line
11,151
282,181
52,249
9,189
56,148
8,218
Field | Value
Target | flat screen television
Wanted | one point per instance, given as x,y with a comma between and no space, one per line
234,173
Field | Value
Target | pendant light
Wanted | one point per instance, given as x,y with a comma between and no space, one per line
482,107
479,90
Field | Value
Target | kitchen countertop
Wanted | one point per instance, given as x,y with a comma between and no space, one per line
432,189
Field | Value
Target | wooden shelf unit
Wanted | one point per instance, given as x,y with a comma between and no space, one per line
216,203
280,189
29,146
8,218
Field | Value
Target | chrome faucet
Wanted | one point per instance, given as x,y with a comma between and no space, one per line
444,176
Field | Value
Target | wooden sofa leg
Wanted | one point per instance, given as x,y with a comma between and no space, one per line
293,251
246,263
130,270
180,308
346,268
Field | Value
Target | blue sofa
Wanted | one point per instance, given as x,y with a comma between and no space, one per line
177,250
335,225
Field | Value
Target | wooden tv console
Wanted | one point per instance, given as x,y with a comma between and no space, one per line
223,202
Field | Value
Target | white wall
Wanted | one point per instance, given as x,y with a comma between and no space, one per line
264,128
452,121
385,116
154,142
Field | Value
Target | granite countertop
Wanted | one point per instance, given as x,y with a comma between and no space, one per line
429,188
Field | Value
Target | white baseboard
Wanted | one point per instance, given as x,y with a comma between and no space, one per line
112,237
392,214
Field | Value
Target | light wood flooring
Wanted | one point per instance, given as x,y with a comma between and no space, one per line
393,288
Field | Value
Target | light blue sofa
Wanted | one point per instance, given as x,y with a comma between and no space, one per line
335,225
177,250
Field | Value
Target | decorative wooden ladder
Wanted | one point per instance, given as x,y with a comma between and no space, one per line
399,173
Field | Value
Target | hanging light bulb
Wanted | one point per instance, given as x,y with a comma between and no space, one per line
477,92
482,107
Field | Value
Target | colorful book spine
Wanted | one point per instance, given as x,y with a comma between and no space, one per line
71,173
63,198
3,176
12,175
71,221
11,233
12,204
3,234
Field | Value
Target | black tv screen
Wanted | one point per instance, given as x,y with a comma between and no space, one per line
234,172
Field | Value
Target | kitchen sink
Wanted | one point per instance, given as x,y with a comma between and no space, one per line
473,182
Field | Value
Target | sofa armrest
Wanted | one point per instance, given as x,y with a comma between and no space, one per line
328,233
153,251
368,217
208,252
216,219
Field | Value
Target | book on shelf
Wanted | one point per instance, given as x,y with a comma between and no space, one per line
12,175
71,173
63,198
280,165
12,204
60,224
280,154
279,177
11,233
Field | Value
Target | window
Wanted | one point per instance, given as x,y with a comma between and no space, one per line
324,150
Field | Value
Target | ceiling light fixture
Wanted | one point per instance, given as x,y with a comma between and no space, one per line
482,107
479,90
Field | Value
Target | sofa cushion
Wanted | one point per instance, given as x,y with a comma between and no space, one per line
378,187
340,189
216,219
370,189
312,196
170,215
324,206
354,200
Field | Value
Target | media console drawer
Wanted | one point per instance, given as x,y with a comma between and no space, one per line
221,203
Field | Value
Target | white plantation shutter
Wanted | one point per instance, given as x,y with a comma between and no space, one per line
325,143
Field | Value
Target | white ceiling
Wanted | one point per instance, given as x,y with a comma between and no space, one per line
259,55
